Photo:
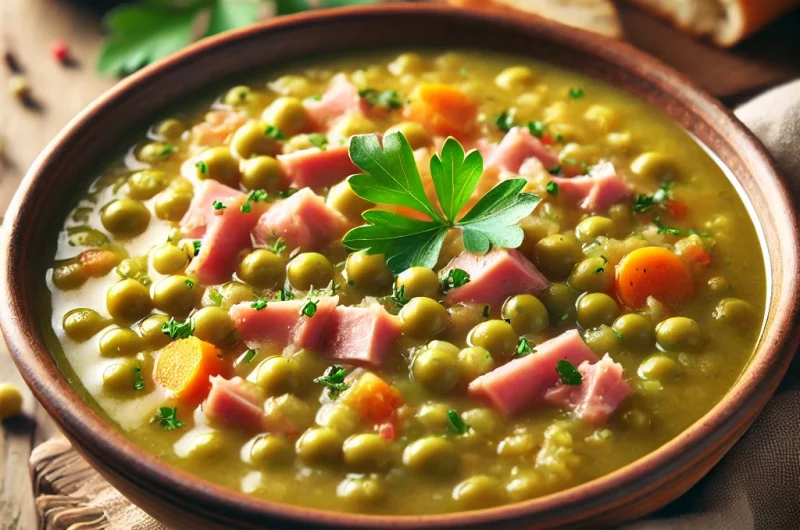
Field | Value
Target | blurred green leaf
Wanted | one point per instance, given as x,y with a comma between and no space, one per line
231,14
287,7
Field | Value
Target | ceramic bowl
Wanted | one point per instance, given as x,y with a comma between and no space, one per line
183,501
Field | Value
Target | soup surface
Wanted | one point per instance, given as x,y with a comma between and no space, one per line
490,347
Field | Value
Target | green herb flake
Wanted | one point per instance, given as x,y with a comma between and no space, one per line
663,229
253,196
455,278
576,93
176,329
138,379
283,194
168,418
552,188
274,133
644,203
457,423
555,170
525,347
399,295
215,297
218,206
619,335
388,99
568,373
189,283
602,268
259,303
284,295
249,355
310,309
315,97
537,128
563,317
245,207
506,119
196,246
278,246
558,137
318,140
202,166
333,379
167,150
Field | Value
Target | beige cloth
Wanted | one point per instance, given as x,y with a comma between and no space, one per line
756,485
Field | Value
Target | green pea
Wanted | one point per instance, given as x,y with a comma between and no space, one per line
559,299
342,199
251,139
436,368
657,367
407,63
433,417
464,317
263,269
68,275
622,217
595,309
149,330
168,259
526,314
206,445
735,313
212,324
655,167
290,411
526,486
339,417
320,445
415,134
271,450
238,95
366,452
144,184
125,217
515,78
296,143
311,364
483,420
279,375
496,336
353,124
120,342
218,163
592,275
423,318
431,456
171,129
171,205
128,301
602,340
263,173
362,492
556,255
368,272
474,362
288,115
593,227
636,331
309,269
120,377
154,152
176,295
231,293
516,446
479,491
637,420
679,334
82,324
292,85
83,236
418,281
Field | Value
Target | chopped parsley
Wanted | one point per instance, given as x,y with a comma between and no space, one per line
189,283
284,295
537,128
505,120
602,268
552,188
215,297
168,418
138,380
555,170
399,295
202,166
274,133
253,196
310,309
318,140
218,206
286,193
663,229
249,355
563,317
315,97
176,329
457,423
167,150
644,203
278,246
576,93
619,335
333,379
196,246
455,278
388,99
525,347
259,303
568,373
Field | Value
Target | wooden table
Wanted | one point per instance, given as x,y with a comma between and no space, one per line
28,27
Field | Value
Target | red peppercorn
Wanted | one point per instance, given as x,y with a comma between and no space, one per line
60,50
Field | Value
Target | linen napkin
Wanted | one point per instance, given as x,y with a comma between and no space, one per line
756,486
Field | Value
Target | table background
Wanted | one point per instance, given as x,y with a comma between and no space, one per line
28,27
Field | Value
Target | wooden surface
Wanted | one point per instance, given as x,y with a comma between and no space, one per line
27,28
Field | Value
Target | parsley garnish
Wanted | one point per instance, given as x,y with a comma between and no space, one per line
274,133
253,196
176,329
259,303
555,170
576,93
505,120
457,423
333,379
284,295
167,150
318,140
189,283
168,418
643,203
525,347
138,380
215,297
552,188
399,295
391,177
202,166
619,335
310,309
388,99
249,355
662,229
568,373
196,245
278,246
563,317
286,193
602,268
455,278
315,97
537,128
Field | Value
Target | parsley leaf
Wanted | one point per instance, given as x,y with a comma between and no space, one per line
138,380
568,373
537,128
278,246
253,196
644,203
274,133
525,347
552,188
388,99
662,229
215,297
202,166
576,93
318,140
555,170
231,14
505,120
310,309
196,246
249,355
457,423
259,303
218,206
333,379
284,295
168,418
176,329
455,278
189,283
399,295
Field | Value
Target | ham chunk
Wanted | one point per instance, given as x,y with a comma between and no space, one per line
516,147
235,403
303,220
495,276
361,335
217,127
317,168
594,192
341,98
202,211
521,383
282,324
227,235
597,397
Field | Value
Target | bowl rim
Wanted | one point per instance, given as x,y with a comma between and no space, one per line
724,422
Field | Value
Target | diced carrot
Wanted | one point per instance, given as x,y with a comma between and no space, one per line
443,109
373,398
96,263
184,367
696,255
656,272
676,209
548,140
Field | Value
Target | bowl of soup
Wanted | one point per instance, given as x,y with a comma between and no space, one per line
402,267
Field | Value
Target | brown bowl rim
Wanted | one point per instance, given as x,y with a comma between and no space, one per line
726,421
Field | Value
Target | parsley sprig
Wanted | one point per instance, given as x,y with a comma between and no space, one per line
455,278
388,99
168,418
457,423
333,379
176,329
391,177
568,373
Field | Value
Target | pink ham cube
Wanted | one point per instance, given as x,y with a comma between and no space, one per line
597,397
201,211
318,168
341,98
303,220
521,383
495,276
361,335
282,324
594,192
516,147
235,403
227,235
